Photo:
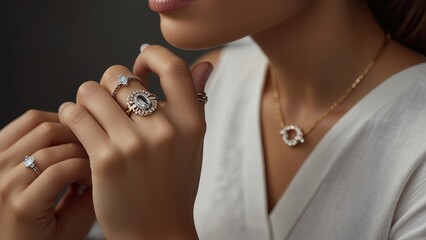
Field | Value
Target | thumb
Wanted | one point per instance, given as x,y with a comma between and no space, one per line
200,73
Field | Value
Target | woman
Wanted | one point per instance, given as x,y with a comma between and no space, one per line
315,131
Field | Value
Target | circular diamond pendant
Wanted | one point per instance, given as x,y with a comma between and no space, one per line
298,138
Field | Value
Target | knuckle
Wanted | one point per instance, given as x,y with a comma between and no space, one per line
106,154
87,89
175,65
164,135
76,149
73,114
48,129
133,148
153,48
106,161
19,208
54,173
33,115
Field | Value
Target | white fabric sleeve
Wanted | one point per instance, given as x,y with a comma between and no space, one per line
409,221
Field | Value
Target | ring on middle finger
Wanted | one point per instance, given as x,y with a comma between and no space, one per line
141,102
123,81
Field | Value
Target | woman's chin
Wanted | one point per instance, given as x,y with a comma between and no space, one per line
188,41
194,38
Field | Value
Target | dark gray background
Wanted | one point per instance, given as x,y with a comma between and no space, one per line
50,47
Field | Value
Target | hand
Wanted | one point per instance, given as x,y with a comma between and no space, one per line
145,169
27,201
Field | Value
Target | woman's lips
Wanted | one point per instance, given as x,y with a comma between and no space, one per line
168,5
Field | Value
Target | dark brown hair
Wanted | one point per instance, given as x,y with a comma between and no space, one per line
405,20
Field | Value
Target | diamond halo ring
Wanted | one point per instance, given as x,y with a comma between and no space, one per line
141,102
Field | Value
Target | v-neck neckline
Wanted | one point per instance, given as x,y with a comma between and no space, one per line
291,205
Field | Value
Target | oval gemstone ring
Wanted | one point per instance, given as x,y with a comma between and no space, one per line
141,102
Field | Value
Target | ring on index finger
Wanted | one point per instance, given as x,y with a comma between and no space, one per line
123,81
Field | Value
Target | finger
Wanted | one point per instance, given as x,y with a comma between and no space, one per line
51,155
44,135
103,108
84,126
45,188
175,77
110,80
23,125
76,209
200,74
144,77
45,158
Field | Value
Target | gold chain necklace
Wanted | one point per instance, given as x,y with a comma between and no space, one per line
286,129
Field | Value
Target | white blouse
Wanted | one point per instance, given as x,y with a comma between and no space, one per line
366,179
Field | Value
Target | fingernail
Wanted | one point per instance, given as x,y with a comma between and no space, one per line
62,106
143,46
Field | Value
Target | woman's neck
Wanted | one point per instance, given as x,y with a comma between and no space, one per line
315,56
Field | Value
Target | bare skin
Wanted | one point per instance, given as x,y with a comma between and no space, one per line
324,76
310,79
282,162
27,202
315,50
